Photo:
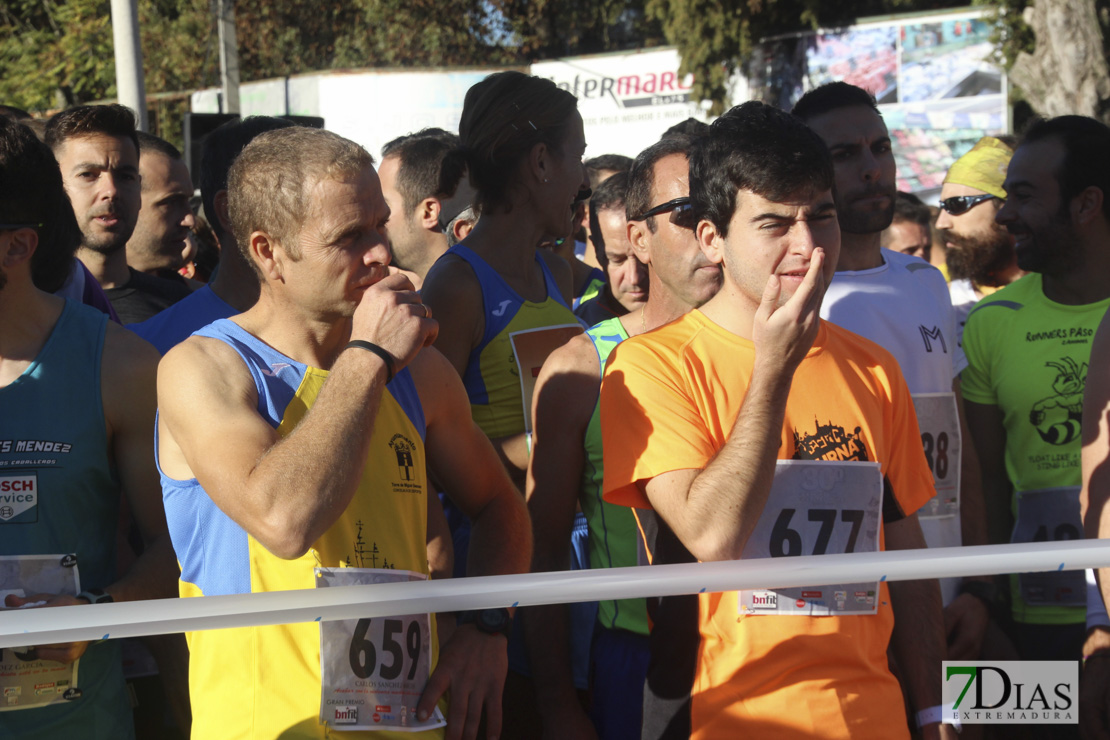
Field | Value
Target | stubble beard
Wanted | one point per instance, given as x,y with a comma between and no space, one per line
105,245
866,222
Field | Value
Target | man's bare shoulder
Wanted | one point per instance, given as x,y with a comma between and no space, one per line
128,368
432,372
203,361
576,356
126,357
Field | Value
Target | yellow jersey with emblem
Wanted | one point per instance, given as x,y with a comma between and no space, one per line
260,683
492,376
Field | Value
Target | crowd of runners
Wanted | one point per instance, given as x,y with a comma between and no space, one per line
483,355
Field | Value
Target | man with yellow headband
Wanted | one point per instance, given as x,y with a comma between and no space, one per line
980,252
1028,347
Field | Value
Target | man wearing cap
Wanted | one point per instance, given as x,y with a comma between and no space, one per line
980,251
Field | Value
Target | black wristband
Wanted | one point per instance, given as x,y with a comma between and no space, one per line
96,596
371,347
984,591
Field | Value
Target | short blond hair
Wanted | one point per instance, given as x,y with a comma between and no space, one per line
268,185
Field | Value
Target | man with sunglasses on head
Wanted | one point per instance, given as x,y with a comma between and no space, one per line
902,303
566,468
980,252
1028,347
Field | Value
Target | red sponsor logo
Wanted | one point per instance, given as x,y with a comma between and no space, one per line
811,594
376,717
800,604
383,708
17,485
861,594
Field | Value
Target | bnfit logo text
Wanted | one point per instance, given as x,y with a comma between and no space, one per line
346,715
765,600
1028,692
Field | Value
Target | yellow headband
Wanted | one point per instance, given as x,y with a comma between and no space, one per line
983,168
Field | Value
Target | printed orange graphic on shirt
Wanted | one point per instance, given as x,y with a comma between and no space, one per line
668,402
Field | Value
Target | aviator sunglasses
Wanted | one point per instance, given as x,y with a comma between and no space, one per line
960,204
682,208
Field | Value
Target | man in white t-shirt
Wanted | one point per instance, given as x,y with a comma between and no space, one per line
902,303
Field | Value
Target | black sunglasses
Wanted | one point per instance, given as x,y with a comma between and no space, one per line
960,204
682,208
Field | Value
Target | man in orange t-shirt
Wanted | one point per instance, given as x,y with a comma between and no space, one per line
753,429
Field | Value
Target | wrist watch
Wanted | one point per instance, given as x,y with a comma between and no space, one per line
96,596
490,621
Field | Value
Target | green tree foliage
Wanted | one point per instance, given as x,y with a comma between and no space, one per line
546,29
1011,35
59,52
1056,52
715,37
52,53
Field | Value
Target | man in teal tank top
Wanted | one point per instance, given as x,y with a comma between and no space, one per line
293,442
566,468
76,418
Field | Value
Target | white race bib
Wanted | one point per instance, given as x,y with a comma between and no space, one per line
939,423
531,348
817,507
36,683
1050,515
374,670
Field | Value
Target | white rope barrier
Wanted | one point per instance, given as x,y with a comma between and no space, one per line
137,618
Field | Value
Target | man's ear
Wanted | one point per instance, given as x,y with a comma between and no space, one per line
428,213
1087,206
637,234
268,255
21,247
710,241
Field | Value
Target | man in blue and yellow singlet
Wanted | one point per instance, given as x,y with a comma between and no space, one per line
76,416
566,467
292,442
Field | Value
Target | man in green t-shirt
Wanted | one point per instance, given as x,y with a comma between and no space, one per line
1028,347
565,469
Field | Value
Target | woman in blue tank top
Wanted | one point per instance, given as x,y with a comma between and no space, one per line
523,142
498,290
